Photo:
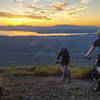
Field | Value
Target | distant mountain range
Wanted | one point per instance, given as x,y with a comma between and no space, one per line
52,29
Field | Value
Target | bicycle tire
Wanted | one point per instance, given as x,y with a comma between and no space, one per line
94,83
66,75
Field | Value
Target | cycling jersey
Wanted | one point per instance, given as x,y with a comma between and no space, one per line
64,57
97,43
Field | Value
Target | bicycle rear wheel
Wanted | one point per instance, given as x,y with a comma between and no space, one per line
94,84
66,75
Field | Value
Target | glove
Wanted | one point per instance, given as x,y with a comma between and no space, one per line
57,61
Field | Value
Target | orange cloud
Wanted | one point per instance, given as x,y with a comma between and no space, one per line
31,16
59,6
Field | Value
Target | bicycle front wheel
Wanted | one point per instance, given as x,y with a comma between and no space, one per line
94,84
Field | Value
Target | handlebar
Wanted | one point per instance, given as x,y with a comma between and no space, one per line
90,58
57,62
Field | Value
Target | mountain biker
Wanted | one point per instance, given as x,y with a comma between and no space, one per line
65,58
95,44
98,61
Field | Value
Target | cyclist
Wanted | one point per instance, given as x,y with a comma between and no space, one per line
95,44
65,58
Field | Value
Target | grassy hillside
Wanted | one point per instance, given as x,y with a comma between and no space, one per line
44,71
18,81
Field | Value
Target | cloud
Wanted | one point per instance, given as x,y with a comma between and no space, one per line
79,8
77,11
34,8
17,0
31,16
85,1
35,1
59,6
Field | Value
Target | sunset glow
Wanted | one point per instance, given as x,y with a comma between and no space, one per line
49,12
22,33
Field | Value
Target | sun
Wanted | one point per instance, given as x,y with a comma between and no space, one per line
22,21
17,21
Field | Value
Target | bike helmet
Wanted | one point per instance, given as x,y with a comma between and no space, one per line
98,32
62,48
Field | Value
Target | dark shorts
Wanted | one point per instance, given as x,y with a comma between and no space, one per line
65,63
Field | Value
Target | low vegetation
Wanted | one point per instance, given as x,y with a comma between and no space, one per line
44,71
14,80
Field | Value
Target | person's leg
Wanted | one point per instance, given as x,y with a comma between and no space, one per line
98,78
62,71
67,74
62,68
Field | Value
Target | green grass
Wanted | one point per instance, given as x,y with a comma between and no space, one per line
45,71
83,94
80,72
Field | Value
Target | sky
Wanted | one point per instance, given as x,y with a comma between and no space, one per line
49,12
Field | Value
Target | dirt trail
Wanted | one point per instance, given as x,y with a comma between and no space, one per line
50,88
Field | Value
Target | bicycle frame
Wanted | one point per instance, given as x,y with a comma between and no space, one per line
65,74
94,81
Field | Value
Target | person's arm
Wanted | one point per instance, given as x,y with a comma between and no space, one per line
59,56
90,51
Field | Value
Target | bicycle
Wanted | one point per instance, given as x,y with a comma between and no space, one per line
94,76
65,76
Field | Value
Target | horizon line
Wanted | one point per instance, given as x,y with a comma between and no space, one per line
48,25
